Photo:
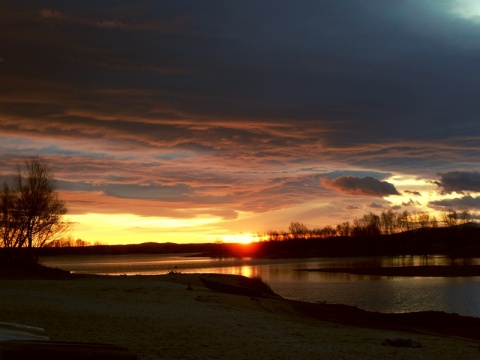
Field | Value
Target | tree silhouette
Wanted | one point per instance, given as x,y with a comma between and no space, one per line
31,211
370,224
450,218
298,230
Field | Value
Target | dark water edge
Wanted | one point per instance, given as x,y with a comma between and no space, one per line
429,322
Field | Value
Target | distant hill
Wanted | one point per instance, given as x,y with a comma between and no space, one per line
460,240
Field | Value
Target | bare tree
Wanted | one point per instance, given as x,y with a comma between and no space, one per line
423,220
450,218
9,228
344,229
32,214
465,217
298,230
404,222
387,220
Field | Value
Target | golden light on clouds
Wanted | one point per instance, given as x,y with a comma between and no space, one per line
412,190
419,194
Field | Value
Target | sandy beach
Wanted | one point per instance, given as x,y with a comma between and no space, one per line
156,317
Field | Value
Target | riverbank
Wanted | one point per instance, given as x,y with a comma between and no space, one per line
174,316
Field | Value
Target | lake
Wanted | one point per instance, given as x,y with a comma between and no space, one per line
285,276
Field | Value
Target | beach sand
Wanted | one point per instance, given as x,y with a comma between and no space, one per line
156,317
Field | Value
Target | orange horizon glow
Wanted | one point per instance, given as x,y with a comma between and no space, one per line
131,229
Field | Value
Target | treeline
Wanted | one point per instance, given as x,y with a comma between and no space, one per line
69,241
371,224
461,240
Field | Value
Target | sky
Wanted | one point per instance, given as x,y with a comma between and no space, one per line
201,121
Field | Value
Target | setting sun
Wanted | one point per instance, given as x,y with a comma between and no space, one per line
239,238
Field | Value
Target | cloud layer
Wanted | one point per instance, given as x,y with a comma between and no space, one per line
252,113
366,186
459,181
468,203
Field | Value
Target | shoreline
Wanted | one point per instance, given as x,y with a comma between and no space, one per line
428,322
175,316
432,322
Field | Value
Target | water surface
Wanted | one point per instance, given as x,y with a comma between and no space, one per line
376,293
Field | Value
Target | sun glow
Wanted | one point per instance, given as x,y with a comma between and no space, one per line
419,194
134,221
239,238
414,192
130,228
411,190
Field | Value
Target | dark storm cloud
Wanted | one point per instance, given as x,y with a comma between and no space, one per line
366,64
366,186
464,203
375,205
459,181
411,202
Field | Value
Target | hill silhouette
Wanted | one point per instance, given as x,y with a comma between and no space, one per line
460,240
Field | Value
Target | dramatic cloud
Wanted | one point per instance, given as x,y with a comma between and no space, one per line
243,110
375,205
411,202
366,186
459,181
416,193
464,203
